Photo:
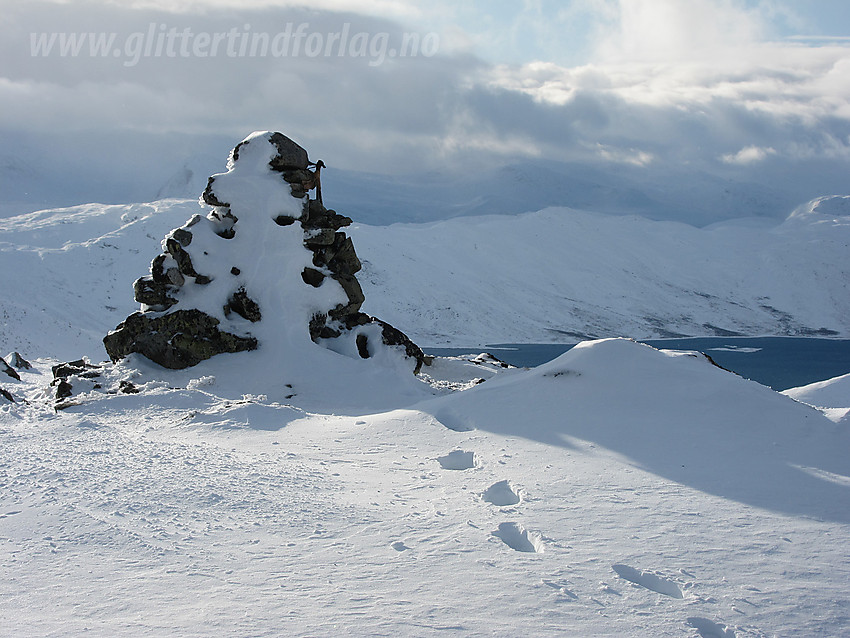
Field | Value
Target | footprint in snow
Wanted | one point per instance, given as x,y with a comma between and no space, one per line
501,494
518,538
650,580
710,629
458,460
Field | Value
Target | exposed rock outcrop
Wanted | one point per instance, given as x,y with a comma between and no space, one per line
9,370
265,258
68,373
79,368
17,361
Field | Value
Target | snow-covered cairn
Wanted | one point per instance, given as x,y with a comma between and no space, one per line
267,265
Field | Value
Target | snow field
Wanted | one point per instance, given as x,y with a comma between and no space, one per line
182,512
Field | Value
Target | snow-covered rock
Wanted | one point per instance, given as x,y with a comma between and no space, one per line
15,360
8,370
266,265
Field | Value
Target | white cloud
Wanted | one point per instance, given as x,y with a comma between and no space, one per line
672,84
790,99
632,156
680,30
748,155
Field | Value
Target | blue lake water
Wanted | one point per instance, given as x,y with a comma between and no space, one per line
778,362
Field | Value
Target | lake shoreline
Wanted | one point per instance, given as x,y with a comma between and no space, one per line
778,361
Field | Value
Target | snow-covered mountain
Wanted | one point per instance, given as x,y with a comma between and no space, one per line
36,173
29,181
679,195
557,275
561,275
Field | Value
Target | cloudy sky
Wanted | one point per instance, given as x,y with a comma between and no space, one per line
105,100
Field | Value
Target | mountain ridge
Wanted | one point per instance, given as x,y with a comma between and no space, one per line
555,275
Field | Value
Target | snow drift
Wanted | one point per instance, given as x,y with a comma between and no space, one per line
744,441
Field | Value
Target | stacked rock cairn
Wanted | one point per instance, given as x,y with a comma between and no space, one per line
184,336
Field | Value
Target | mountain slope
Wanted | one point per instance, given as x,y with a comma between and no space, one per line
678,194
554,275
563,275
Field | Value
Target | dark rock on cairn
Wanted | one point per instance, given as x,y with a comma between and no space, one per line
174,340
202,298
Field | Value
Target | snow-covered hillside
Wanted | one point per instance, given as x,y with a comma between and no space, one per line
616,491
554,275
561,275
